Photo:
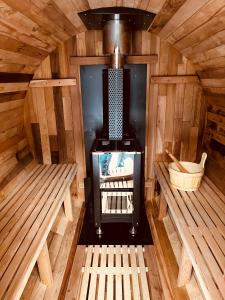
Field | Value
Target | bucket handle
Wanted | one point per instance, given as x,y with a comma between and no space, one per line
203,159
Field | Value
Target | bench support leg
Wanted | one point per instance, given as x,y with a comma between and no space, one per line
185,269
68,206
162,207
44,266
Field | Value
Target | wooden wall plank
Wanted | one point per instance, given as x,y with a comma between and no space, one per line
67,102
60,125
11,44
42,118
33,29
141,59
201,33
182,14
214,139
201,16
46,73
8,87
12,134
169,9
78,128
213,82
11,105
17,58
17,25
39,17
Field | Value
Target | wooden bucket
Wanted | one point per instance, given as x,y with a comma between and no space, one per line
186,181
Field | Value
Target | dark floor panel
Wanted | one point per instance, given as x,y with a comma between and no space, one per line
115,233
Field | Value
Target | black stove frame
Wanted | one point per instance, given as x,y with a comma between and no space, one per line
126,146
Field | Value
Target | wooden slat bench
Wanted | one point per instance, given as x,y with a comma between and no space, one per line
200,221
28,209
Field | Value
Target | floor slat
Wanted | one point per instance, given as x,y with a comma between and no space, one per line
114,272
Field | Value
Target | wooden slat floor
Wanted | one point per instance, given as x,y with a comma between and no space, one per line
114,272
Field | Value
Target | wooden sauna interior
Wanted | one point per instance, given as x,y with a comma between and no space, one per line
43,44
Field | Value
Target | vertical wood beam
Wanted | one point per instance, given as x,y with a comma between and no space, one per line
185,269
67,102
46,71
162,207
78,131
68,206
44,106
39,95
152,122
44,266
60,124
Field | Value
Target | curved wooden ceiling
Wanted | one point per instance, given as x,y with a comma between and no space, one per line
31,29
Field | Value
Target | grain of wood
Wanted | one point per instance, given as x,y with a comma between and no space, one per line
13,87
154,282
85,279
44,266
102,277
174,79
183,13
51,82
207,271
32,227
163,207
42,118
185,269
108,269
68,206
143,278
74,283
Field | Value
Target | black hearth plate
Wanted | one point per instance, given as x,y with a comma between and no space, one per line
115,233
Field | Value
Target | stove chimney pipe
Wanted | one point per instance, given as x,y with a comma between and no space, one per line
116,41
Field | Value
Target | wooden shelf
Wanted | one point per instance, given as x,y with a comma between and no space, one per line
52,82
105,60
174,79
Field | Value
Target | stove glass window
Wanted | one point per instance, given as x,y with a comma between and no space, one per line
116,169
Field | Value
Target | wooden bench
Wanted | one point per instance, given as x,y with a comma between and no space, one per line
200,221
28,209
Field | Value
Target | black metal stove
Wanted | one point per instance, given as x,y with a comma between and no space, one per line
116,182
116,156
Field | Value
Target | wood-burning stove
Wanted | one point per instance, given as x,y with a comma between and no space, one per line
116,182
116,156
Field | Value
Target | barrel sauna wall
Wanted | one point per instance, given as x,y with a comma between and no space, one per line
175,112
14,148
37,40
